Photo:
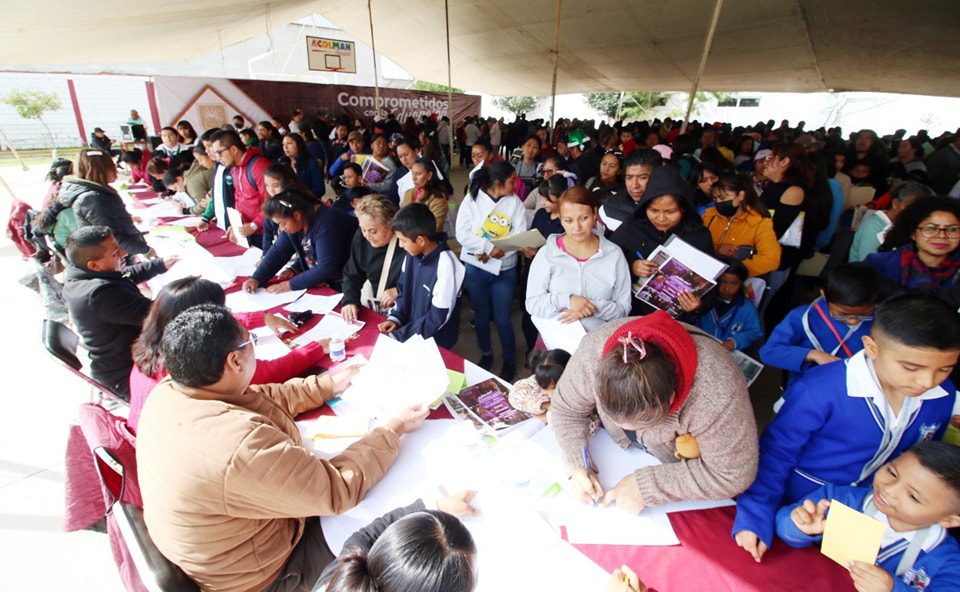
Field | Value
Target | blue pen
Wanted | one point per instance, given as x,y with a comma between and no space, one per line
639,255
586,458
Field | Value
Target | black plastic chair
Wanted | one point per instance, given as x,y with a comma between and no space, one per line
62,344
157,573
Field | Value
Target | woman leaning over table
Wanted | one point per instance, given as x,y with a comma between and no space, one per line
577,275
489,212
369,260
666,388
741,226
318,234
177,297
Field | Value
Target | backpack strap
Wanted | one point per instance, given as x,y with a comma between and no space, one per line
249,170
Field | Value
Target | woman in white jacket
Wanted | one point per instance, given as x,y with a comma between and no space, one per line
489,212
579,276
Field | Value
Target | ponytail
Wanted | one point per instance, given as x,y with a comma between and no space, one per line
352,574
498,171
637,381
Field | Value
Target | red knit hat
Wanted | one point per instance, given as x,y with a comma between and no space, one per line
661,329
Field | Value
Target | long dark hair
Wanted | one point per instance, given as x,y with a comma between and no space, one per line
287,202
174,298
427,551
498,171
901,233
434,186
737,183
804,171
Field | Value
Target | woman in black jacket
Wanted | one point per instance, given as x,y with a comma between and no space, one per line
666,209
95,203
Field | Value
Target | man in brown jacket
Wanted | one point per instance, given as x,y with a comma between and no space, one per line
685,402
229,492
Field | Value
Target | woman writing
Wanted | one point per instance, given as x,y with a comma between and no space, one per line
428,191
577,275
669,389
492,211
741,227
306,167
375,259
319,235
177,297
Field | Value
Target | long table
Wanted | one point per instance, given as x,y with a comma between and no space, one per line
707,558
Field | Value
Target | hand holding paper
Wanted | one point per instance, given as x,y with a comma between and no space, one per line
851,536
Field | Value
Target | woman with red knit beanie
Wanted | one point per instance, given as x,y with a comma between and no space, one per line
669,389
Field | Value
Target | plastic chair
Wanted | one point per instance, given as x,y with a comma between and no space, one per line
62,344
157,573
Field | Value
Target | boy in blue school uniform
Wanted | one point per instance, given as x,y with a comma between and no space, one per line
733,319
829,329
430,281
917,497
841,422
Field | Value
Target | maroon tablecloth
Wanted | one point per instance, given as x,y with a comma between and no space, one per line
707,557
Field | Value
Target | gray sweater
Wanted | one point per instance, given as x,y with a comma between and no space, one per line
717,412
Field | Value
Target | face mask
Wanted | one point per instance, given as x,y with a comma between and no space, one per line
726,208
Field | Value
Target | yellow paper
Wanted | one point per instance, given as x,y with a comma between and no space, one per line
458,380
849,535
327,426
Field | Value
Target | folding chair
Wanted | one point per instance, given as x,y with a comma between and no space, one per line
157,573
62,344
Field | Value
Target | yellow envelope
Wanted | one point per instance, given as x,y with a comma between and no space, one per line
849,535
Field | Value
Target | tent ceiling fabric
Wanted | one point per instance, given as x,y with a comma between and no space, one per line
504,47
114,31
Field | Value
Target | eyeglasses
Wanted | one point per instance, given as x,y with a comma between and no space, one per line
221,151
254,340
846,318
549,171
932,230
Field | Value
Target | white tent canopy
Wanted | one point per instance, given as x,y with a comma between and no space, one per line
506,47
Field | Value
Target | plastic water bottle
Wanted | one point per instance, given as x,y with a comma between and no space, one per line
338,349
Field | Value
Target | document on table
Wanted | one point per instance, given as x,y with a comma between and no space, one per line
164,209
849,535
183,198
187,221
269,346
242,301
316,303
331,325
558,335
241,265
490,266
398,375
236,221
531,239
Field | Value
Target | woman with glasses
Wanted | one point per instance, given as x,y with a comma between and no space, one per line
920,251
320,236
184,293
741,227
610,180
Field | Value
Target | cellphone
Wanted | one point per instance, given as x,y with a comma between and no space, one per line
300,318
744,252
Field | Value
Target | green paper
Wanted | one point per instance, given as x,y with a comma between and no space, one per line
458,381
952,436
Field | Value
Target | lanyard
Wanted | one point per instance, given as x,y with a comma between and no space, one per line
816,342
843,342
913,549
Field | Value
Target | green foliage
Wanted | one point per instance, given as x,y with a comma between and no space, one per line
433,87
636,105
606,103
517,105
32,104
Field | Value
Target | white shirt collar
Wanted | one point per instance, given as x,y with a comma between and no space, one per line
862,381
891,536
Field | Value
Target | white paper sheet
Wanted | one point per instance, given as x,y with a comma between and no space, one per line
242,301
184,199
194,260
529,239
236,221
165,209
241,265
557,335
491,266
269,346
316,303
475,374
187,221
397,376
330,325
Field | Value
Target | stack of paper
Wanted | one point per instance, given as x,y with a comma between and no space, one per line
397,376
558,335
194,260
331,325
242,301
269,346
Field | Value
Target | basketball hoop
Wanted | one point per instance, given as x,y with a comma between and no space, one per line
333,68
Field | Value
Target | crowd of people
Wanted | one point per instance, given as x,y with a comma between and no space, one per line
867,345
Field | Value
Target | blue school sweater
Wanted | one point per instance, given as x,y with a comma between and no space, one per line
322,250
429,300
834,427
741,323
936,568
804,329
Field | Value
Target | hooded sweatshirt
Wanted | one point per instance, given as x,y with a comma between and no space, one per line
556,275
97,205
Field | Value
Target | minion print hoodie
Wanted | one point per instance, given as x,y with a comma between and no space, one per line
482,220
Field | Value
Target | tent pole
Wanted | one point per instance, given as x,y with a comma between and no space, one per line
376,76
446,13
707,44
556,64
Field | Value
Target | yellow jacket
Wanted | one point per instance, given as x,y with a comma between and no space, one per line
750,229
437,203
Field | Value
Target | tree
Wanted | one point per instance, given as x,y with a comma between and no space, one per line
517,105
627,105
433,87
34,104
606,103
